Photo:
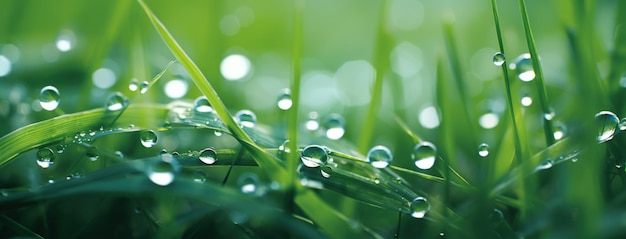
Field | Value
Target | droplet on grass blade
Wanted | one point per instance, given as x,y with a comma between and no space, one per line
199,176
314,156
45,157
526,101
248,183
143,87
92,154
424,155
379,156
326,171
622,124
284,99
334,126
49,98
483,150
202,105
148,138
133,85
498,59
208,156
419,207
162,172
246,118
523,67
116,101
607,124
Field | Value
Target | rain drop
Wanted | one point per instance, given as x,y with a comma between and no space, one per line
148,138
379,156
419,207
483,150
143,87
424,155
284,99
523,67
49,98
116,101
246,118
45,157
607,124
334,125
202,105
133,85
208,156
314,156
498,59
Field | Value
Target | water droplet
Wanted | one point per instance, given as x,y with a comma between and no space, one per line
246,118
283,149
176,89
208,156
607,125
133,85
526,101
143,87
334,125
202,105
45,157
549,115
622,124
235,67
379,156
217,133
49,98
199,176
489,120
523,67
119,154
314,156
424,155
248,183
116,101
92,153
496,217
559,131
483,150
162,173
312,123
429,117
326,171
148,138
65,41
544,165
419,207
498,59
284,99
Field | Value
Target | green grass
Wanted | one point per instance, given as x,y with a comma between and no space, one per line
208,175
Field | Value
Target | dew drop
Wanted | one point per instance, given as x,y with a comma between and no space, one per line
143,87
163,172
133,85
544,165
284,99
202,105
116,101
283,149
326,171
199,176
526,101
334,126
622,124
523,67
92,153
498,59
549,115
49,98
148,138
419,207
496,217
607,124
379,156
248,183
208,156
489,120
45,157
559,131
246,118
314,156
176,89
119,154
312,123
424,155
235,67
483,150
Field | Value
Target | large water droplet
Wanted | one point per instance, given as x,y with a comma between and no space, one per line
483,150
246,118
116,101
284,99
148,138
45,157
498,59
607,125
133,85
523,67
143,87
49,98
162,173
549,115
208,156
202,105
419,207
424,155
314,156
379,156
334,126
248,183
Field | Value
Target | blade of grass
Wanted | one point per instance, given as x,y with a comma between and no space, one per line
17,227
618,57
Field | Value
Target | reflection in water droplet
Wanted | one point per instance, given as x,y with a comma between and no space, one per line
283,149
379,156
133,85
235,67
202,105
483,150
314,156
246,118
45,157
424,155
49,98
148,138
248,183
284,99
116,101
523,67
498,59
607,124
208,156
143,87
419,207
334,126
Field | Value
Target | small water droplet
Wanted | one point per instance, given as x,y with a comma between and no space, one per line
248,183
424,155
545,165
284,99
283,149
133,85
176,89
483,150
312,123
498,59
217,133
489,120
559,131
622,124
162,173
334,126
246,118
574,160
143,87
119,154
379,156
419,207
202,105
314,156
148,138
199,176
496,217
45,157
526,101
326,171
549,115
116,101
523,67
92,153
49,98
208,156
607,125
